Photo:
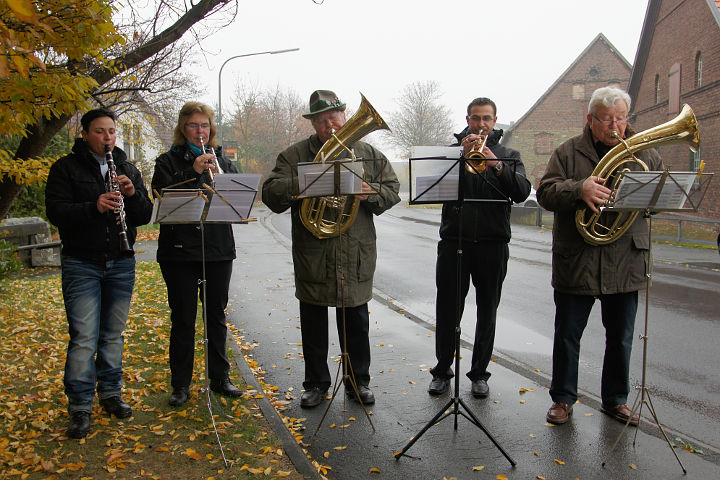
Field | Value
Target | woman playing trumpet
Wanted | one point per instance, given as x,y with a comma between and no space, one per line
180,254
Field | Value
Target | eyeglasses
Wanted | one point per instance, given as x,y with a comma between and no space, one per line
610,121
195,126
486,118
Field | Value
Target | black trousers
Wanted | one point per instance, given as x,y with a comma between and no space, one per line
182,279
571,317
314,330
486,264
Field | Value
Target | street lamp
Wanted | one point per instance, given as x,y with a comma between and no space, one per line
273,52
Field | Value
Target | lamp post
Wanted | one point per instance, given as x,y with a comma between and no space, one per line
273,52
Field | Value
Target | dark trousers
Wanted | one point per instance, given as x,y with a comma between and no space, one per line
182,279
314,330
571,317
486,264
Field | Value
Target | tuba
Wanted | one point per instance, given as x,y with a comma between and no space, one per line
681,129
331,216
475,159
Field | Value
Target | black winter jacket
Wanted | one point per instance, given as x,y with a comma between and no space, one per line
487,221
183,242
73,187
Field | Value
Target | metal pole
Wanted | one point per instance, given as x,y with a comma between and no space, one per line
273,52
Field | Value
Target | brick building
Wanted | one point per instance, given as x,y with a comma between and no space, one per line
678,62
559,113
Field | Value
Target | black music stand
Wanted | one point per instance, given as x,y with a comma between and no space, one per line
447,187
337,178
651,193
229,201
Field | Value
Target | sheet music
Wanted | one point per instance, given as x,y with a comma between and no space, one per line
424,151
318,179
220,211
636,190
180,207
446,189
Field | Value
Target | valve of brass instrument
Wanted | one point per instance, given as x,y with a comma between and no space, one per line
475,159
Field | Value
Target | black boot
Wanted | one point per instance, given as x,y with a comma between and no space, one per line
179,396
79,425
116,406
225,387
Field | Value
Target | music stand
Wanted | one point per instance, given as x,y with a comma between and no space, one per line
445,185
336,178
653,192
229,201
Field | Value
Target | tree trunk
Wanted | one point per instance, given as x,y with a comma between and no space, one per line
33,145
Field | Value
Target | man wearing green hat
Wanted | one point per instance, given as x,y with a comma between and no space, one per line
319,263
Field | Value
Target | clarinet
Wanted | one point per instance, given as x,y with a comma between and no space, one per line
120,209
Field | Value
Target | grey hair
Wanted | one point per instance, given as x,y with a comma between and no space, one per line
607,96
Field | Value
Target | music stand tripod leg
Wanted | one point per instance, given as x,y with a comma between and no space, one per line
208,397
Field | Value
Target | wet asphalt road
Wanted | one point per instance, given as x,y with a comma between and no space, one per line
265,309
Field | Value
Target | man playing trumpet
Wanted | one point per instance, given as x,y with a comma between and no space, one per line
484,243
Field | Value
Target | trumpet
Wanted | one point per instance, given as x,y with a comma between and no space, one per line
209,170
120,209
475,159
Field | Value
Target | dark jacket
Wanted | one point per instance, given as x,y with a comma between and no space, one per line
318,262
487,221
183,242
73,187
578,267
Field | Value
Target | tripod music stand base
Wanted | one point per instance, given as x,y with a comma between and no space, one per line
443,414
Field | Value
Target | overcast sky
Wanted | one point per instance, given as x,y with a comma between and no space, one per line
510,51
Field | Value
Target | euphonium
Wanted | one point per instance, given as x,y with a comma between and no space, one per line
331,216
475,159
681,129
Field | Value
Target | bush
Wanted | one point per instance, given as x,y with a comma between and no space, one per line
9,260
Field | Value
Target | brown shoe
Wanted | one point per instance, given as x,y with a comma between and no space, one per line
621,413
559,413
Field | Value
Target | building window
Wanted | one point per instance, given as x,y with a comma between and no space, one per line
698,70
674,89
544,143
578,91
657,88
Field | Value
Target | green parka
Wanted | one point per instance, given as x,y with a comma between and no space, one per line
317,262
578,267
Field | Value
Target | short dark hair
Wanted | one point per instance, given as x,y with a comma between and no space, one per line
88,118
480,101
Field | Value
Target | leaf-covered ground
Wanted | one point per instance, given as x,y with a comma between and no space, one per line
157,442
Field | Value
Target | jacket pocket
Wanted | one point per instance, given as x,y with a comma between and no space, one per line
571,266
366,261
309,263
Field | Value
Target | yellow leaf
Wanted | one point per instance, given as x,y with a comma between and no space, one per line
23,9
477,468
374,470
326,454
633,466
559,462
340,448
500,476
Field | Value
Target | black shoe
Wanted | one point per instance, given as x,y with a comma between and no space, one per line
366,395
312,397
480,389
116,406
225,387
179,396
438,386
79,425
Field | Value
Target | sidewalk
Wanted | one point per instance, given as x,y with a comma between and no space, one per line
264,308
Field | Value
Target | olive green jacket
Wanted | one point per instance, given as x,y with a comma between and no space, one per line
578,267
319,264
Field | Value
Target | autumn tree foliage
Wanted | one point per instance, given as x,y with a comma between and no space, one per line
59,57
420,118
264,123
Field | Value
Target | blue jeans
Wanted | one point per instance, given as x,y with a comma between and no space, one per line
97,301
571,317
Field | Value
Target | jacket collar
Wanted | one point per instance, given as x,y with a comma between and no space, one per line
81,149
492,140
